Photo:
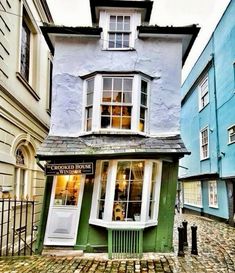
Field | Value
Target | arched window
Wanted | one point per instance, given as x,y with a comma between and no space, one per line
20,172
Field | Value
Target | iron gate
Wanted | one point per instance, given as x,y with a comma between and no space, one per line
16,226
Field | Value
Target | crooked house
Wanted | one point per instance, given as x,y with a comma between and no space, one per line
111,156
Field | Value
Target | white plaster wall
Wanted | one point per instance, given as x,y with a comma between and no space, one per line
74,57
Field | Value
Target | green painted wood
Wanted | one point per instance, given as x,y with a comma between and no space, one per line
44,214
164,236
110,243
89,237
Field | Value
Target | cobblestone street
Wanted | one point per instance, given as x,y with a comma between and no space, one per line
216,249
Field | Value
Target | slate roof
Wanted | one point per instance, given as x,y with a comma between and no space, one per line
110,146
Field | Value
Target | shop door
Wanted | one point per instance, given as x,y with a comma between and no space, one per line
64,211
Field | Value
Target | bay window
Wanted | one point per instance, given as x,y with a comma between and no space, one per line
116,102
126,193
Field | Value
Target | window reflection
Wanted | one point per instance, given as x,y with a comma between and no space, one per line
67,190
128,191
104,175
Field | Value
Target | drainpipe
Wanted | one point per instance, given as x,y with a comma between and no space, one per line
216,110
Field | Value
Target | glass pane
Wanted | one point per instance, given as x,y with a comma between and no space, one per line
89,112
119,22
119,209
116,111
151,209
123,170
141,125
112,23
126,40
126,123
135,190
105,117
138,170
127,84
127,23
107,96
111,44
107,84
88,125
143,99
104,175
67,190
101,209
126,111
142,113
118,40
144,87
117,84
127,97
116,122
117,96
90,99
90,85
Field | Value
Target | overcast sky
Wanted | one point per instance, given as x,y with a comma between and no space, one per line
205,13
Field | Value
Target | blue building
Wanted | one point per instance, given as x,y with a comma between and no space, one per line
208,125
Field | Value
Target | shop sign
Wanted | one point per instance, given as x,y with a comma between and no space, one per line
69,168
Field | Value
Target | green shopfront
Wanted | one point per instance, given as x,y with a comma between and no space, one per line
121,203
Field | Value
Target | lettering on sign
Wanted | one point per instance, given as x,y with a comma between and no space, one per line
69,168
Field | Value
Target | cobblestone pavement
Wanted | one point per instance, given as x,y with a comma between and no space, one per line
216,248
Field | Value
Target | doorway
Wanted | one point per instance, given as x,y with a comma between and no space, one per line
64,211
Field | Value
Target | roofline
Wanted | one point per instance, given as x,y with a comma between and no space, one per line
119,3
186,30
204,176
73,31
136,155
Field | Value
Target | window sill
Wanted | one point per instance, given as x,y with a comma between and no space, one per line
119,49
122,224
232,142
213,207
113,132
27,85
203,159
202,108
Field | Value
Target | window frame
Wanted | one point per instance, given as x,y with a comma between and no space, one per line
231,134
134,21
107,221
213,195
203,145
135,104
202,96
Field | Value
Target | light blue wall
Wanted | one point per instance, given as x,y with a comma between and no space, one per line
220,50
222,210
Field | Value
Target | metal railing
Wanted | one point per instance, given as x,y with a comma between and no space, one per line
123,244
16,226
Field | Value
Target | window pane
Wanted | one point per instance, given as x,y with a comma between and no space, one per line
127,84
116,122
105,117
126,40
126,111
103,182
117,96
67,190
119,22
144,87
90,85
128,191
143,99
127,23
116,110
112,23
127,97
88,125
90,99
25,51
107,83
126,123
107,96
117,84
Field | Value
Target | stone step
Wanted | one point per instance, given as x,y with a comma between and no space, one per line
59,251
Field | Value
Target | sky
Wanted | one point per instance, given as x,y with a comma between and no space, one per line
204,13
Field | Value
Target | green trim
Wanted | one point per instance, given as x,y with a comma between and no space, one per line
44,214
164,237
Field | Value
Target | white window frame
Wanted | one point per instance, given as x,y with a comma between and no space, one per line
203,93
135,20
212,194
135,104
196,192
145,221
203,144
34,53
231,133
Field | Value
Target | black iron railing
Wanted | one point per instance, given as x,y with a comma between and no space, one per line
16,226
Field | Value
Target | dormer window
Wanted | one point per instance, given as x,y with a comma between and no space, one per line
119,31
